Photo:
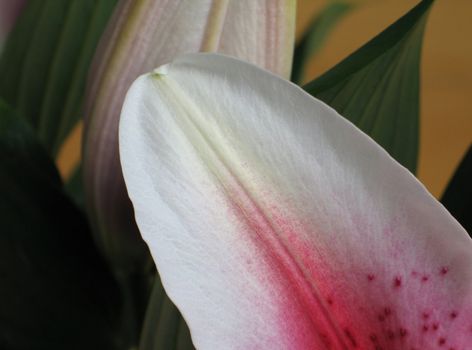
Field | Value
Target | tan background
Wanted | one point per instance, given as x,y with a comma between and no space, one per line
446,96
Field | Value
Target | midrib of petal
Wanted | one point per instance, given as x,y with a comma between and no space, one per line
280,20
214,26
220,165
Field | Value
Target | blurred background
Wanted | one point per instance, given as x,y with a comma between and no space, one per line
446,91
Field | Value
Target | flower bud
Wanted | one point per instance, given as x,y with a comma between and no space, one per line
142,35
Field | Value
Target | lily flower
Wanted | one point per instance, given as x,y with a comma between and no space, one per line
277,224
142,35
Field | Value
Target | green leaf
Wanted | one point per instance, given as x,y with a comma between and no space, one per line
458,196
74,187
164,328
377,87
316,35
56,291
15,50
44,66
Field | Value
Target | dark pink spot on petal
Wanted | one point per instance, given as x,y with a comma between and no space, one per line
351,338
397,282
325,340
370,277
441,341
435,326
444,270
453,315
373,338
403,332
425,278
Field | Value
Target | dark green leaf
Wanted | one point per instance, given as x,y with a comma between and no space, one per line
184,339
315,36
56,291
458,196
15,51
44,66
164,328
74,187
377,87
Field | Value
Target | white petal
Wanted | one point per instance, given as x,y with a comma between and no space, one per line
276,224
142,35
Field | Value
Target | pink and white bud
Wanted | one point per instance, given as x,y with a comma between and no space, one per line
142,35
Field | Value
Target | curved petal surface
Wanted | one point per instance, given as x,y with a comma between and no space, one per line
142,35
276,224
